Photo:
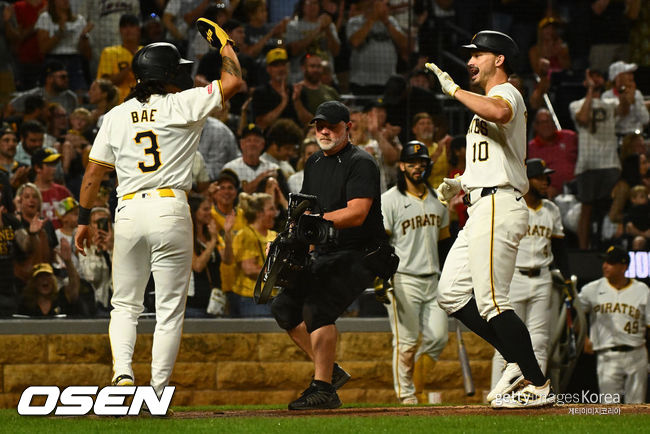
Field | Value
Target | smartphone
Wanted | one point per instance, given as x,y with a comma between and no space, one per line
102,224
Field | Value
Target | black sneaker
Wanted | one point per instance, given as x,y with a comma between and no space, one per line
339,377
316,397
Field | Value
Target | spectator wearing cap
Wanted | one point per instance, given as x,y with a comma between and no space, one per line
277,98
559,148
376,40
42,295
63,36
598,166
16,172
115,61
250,168
44,162
67,211
634,115
54,89
311,90
312,31
550,54
283,138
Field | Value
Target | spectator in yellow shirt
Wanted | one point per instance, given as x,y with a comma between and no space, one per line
115,61
249,249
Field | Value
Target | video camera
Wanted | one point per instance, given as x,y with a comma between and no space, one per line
288,254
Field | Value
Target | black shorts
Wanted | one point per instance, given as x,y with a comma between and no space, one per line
333,282
596,184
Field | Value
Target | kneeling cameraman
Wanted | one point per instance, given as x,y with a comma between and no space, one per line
345,179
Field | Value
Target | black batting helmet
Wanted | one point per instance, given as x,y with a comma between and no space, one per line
494,42
162,61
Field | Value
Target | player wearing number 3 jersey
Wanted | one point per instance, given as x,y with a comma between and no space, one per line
475,280
150,140
619,314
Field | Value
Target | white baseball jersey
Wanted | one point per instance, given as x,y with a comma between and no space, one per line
415,225
544,223
617,316
496,153
153,141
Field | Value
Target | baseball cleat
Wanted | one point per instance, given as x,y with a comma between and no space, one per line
316,398
510,379
526,396
339,377
409,400
123,380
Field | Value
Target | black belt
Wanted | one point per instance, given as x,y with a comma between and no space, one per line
486,191
530,272
621,348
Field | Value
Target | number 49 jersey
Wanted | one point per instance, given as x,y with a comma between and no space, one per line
617,316
152,144
495,154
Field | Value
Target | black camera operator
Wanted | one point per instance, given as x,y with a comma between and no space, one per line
345,179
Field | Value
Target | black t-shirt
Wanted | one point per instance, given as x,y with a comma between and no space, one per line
350,174
60,306
9,252
207,279
265,99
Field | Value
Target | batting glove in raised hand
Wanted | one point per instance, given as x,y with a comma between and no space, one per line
446,82
212,33
448,188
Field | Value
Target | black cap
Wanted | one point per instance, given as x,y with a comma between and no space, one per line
230,176
251,129
414,149
45,155
129,20
616,255
536,167
53,66
332,112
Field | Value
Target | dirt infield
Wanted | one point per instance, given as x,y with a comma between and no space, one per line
431,410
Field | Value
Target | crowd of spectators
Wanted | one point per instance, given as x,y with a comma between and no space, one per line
66,63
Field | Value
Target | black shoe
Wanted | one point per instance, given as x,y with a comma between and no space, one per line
339,377
316,397
123,380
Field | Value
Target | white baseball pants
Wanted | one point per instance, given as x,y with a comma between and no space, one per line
413,310
153,234
623,373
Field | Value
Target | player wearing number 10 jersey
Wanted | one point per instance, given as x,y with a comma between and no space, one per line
150,140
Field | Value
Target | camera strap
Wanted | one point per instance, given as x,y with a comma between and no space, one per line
259,243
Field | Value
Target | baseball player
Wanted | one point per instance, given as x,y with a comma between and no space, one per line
150,140
531,286
619,314
416,222
475,279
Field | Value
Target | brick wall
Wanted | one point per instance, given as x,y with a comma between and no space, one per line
235,368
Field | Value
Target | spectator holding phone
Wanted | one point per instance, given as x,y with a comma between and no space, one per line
634,115
95,267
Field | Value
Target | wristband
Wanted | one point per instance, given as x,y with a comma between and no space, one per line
84,216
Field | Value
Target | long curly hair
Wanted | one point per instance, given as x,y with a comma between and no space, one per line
144,89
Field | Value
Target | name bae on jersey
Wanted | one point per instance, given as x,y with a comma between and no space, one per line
421,221
143,116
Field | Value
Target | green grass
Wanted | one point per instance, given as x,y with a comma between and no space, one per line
11,422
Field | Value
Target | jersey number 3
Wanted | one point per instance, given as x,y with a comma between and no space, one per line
152,150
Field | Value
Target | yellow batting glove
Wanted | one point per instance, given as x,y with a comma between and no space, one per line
212,33
446,82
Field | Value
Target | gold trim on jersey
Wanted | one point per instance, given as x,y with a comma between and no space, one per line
101,163
221,92
512,116
424,196
494,300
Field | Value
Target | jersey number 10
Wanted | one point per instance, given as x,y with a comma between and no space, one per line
152,150
482,151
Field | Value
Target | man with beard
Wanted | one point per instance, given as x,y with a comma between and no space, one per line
312,90
475,282
531,286
345,179
417,224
